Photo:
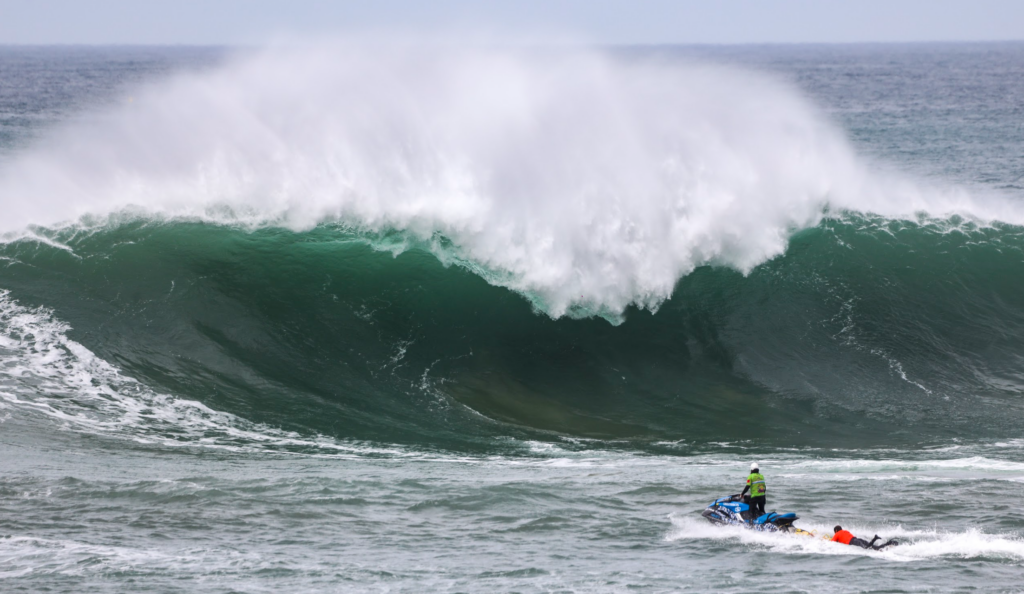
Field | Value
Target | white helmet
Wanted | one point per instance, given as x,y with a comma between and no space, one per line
754,467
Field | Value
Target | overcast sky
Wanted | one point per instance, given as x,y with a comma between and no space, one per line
545,21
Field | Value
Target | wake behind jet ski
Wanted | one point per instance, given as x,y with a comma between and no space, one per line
735,511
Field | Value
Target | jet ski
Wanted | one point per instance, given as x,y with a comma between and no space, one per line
734,511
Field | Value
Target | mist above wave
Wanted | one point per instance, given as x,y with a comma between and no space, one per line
584,181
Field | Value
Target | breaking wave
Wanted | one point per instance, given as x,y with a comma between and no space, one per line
356,242
584,182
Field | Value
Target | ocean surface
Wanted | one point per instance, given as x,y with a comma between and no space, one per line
342,318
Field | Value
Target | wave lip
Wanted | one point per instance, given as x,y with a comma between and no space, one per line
586,182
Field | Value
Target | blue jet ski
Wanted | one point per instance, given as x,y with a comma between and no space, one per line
734,511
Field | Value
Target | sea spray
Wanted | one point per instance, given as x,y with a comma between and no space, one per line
584,181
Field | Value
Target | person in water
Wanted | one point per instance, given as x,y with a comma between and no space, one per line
845,537
758,488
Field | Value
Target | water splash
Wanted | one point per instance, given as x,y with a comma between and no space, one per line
583,181
915,545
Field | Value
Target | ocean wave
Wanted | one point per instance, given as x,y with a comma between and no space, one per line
867,330
356,244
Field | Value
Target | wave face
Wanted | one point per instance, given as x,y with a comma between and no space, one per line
866,328
428,247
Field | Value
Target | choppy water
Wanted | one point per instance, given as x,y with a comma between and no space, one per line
324,320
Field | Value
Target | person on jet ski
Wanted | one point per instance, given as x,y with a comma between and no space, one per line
847,538
756,484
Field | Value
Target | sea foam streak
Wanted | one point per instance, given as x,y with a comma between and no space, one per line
585,182
42,371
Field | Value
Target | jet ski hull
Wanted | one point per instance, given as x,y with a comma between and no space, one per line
733,511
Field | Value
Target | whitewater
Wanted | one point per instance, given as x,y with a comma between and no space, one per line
585,183
350,317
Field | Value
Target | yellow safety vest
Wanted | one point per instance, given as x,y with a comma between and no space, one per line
757,485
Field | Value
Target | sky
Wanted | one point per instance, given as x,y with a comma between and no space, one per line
248,22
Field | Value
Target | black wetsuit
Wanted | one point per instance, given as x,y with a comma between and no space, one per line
860,542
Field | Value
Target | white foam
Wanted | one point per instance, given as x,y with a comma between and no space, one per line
861,466
23,555
914,544
583,182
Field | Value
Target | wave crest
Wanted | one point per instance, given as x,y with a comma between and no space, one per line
584,181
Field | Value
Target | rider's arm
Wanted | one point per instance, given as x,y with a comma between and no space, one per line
744,490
